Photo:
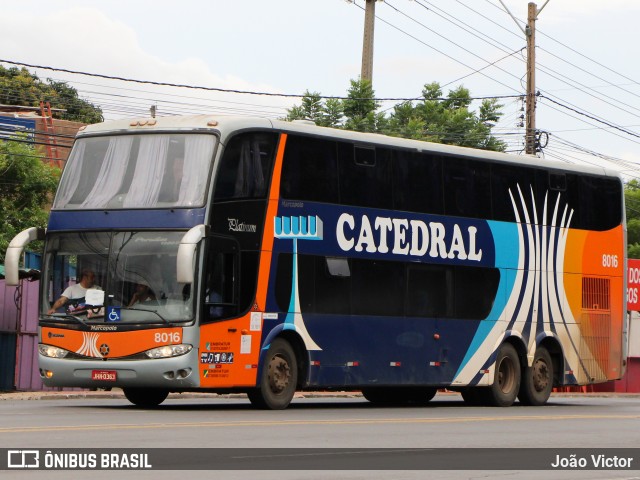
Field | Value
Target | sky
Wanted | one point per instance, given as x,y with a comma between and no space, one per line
587,69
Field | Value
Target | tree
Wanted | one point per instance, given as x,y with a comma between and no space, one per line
360,108
26,188
20,87
632,202
433,118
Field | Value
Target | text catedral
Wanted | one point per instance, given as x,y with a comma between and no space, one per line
401,236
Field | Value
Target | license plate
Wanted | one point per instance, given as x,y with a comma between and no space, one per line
104,375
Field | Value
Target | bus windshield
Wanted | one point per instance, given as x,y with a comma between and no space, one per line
134,272
136,171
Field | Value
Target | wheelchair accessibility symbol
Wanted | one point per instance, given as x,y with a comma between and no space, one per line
113,314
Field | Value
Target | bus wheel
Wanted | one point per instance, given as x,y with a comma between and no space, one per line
378,395
146,397
417,395
506,381
278,379
537,380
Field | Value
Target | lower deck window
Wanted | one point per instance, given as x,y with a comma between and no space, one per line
374,287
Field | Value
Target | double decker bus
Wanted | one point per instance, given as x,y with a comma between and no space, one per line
225,254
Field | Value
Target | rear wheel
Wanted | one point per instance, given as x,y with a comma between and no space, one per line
146,397
537,380
278,378
506,381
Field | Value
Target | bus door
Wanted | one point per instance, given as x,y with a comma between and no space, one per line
229,341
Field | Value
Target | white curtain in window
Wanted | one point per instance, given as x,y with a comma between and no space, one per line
112,171
150,168
71,176
198,152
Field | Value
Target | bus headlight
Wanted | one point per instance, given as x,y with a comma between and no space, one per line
168,351
51,351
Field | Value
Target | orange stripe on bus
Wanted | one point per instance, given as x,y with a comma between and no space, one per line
267,238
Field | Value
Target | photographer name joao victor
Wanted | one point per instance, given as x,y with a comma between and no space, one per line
592,461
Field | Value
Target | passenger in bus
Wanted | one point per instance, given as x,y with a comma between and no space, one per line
77,291
142,294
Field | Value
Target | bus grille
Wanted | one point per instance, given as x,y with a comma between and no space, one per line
595,326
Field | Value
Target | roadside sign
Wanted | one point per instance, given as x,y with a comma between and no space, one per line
633,284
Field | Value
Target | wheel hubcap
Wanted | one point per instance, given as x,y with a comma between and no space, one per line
279,374
506,375
540,375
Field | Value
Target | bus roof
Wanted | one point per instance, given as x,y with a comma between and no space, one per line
226,125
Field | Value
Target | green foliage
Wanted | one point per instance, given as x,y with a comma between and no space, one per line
26,188
433,118
360,103
632,202
19,87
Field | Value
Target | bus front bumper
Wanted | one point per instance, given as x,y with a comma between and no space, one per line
174,373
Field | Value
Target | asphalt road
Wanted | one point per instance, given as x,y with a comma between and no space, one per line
103,421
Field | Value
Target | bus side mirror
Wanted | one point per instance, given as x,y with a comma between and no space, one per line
187,254
14,252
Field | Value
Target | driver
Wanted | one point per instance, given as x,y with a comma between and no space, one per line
76,291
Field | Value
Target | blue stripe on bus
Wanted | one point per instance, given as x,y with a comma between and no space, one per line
126,219
505,237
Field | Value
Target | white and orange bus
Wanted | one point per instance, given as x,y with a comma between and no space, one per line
250,255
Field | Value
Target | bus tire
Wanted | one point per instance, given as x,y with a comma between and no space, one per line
378,395
537,380
146,397
278,378
506,379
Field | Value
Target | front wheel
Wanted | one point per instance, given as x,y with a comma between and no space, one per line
278,378
537,380
146,397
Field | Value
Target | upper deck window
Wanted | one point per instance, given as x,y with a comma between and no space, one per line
137,171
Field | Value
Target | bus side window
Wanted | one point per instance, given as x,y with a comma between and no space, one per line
365,176
309,170
467,191
220,297
245,168
417,182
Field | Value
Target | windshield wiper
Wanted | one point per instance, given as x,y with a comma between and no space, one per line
68,316
147,310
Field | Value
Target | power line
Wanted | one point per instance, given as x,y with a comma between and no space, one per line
591,117
450,41
446,55
572,82
215,89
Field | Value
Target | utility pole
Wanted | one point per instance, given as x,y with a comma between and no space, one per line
366,72
530,32
531,146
